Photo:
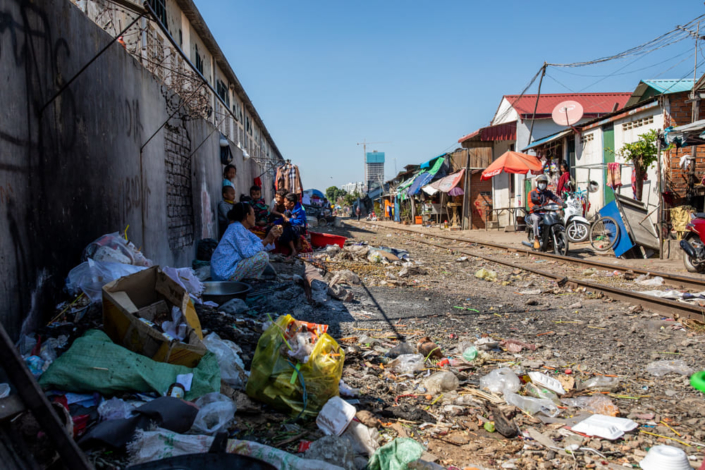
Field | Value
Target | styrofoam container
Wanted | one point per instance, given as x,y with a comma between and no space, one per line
665,458
547,382
335,416
607,427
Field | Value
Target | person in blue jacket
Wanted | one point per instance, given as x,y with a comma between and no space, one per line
294,222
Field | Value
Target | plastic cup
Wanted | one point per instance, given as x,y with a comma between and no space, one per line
665,458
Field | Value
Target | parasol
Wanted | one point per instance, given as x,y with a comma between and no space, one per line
513,162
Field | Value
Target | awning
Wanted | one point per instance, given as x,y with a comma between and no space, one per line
548,139
428,163
444,184
424,178
506,131
687,134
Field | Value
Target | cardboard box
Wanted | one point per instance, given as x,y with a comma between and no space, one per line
131,302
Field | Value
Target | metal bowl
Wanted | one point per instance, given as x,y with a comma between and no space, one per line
222,291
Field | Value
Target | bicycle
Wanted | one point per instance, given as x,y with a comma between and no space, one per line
604,233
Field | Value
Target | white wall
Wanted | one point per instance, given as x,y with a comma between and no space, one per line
588,151
500,183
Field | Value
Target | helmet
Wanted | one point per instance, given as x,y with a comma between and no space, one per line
542,178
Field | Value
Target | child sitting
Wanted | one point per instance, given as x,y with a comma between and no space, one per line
277,209
294,222
225,206
258,204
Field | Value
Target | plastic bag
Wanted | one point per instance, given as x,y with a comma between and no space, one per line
401,348
644,280
273,379
500,381
470,353
186,278
375,257
661,368
114,408
113,248
407,363
396,454
602,383
216,412
91,276
532,405
599,404
486,274
535,391
49,347
232,369
364,439
441,382
4,390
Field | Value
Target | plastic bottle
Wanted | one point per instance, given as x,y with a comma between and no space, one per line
532,405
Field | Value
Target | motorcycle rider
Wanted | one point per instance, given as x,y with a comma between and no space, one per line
538,197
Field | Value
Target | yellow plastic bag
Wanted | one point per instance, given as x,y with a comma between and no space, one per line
274,379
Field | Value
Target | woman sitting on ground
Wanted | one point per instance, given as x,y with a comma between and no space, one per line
294,222
240,253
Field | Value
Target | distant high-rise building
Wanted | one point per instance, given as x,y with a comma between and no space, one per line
352,188
374,170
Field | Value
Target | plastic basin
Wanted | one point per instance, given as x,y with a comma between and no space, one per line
665,458
320,240
222,291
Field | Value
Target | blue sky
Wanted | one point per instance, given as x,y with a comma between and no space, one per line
325,75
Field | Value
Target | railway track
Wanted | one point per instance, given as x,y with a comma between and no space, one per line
665,306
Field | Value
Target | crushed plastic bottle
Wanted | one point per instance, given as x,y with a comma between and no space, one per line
598,404
532,405
441,382
602,383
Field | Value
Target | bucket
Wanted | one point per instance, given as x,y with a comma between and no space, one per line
418,220
338,222
320,240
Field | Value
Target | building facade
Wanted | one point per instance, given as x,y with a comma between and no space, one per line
374,170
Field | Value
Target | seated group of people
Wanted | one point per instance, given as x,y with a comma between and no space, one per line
242,254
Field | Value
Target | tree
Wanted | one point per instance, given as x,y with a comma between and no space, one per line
642,154
351,198
333,193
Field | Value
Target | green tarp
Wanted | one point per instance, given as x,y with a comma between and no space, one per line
95,364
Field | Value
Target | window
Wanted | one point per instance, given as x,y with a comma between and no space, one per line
237,110
159,9
199,60
181,39
248,125
222,90
637,123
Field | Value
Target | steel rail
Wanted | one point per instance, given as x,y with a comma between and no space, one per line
653,303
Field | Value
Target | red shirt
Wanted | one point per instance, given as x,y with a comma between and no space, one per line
561,183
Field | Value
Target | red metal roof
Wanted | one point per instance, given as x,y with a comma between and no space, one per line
593,103
506,131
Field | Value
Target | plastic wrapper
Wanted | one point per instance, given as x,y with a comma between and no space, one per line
407,363
532,405
91,276
114,408
281,382
500,380
599,404
215,413
186,278
486,274
113,248
661,368
232,369
441,382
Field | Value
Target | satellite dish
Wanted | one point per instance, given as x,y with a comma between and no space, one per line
567,113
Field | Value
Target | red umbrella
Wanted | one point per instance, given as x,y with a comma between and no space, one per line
513,162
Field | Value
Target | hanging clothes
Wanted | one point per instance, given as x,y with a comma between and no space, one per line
614,175
289,178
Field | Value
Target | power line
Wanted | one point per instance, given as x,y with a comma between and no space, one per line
626,73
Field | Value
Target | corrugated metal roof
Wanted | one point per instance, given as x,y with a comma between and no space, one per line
550,138
593,103
669,86
507,131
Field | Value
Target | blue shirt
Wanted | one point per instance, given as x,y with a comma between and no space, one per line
298,216
237,244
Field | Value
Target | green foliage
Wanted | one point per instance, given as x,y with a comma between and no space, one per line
349,199
643,153
333,193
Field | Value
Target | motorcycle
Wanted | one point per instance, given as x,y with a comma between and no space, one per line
577,227
692,244
552,236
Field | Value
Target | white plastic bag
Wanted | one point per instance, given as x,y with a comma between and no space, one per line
216,412
500,381
113,248
444,381
407,363
532,405
91,276
644,280
115,408
186,278
232,369
661,368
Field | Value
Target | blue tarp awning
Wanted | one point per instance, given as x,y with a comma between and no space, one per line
428,163
422,180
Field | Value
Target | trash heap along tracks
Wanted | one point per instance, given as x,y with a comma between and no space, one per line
654,303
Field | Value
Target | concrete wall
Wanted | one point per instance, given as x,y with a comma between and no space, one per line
75,172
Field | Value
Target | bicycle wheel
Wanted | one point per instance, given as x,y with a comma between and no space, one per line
604,234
